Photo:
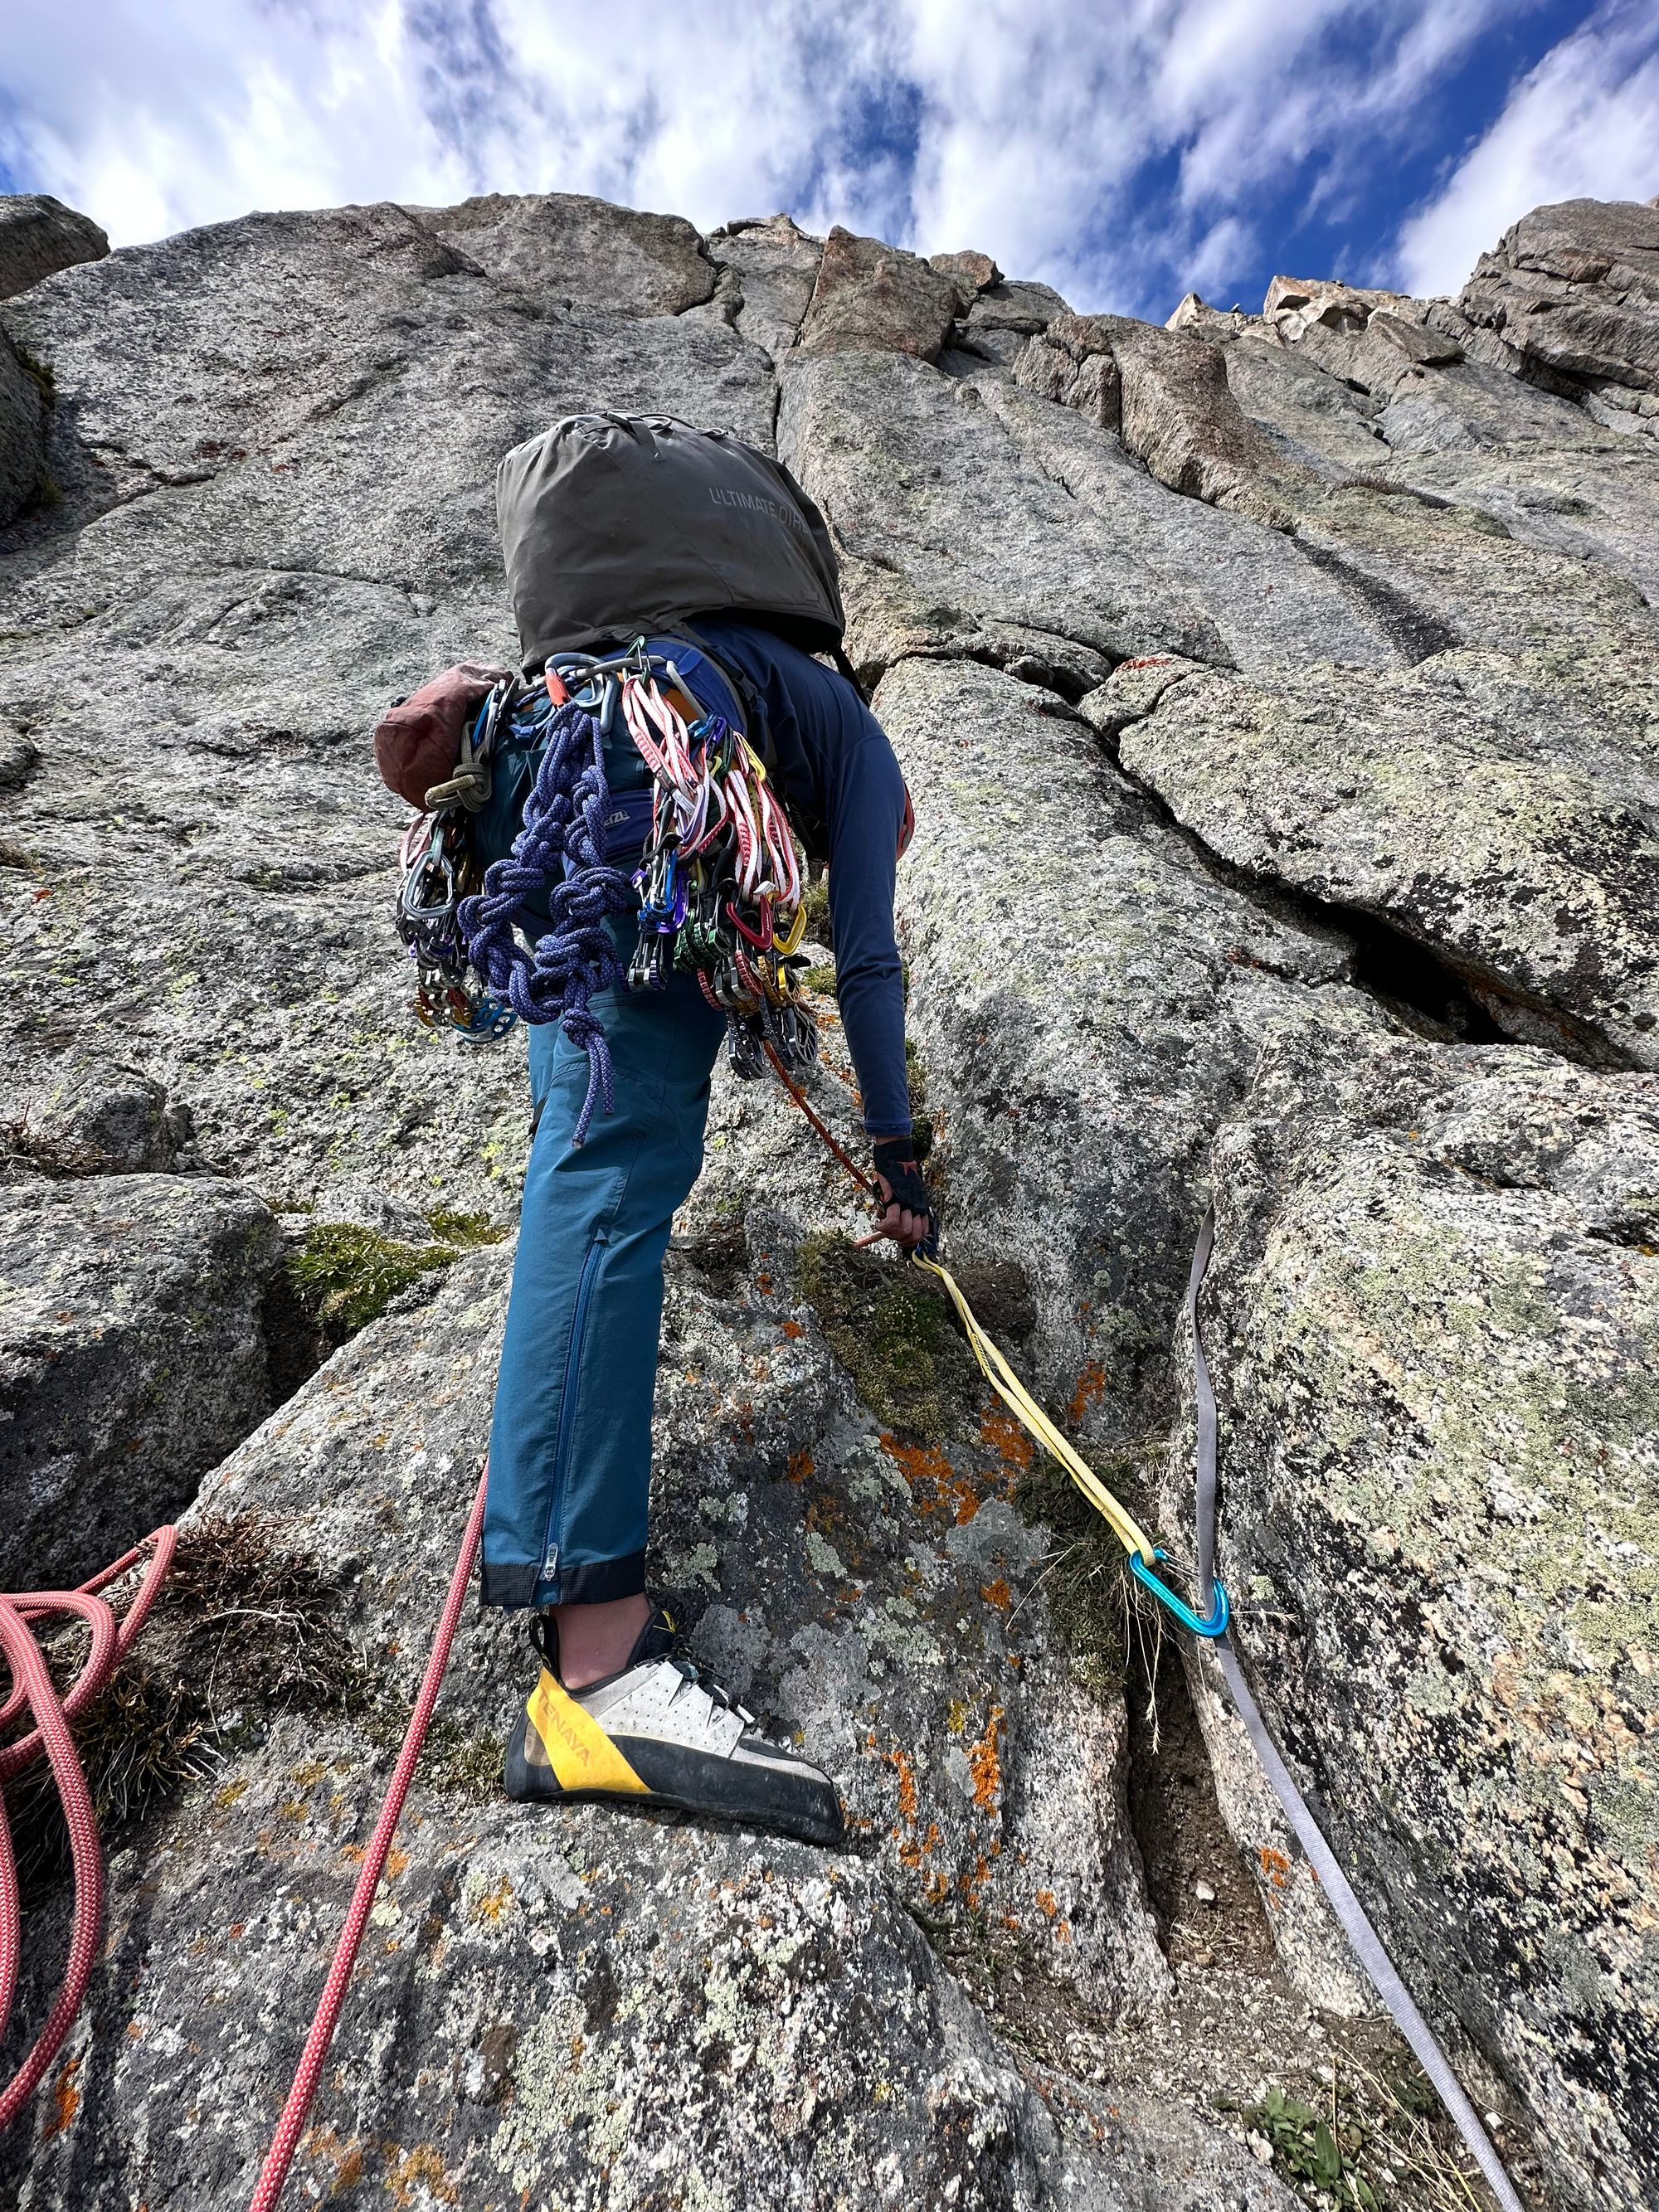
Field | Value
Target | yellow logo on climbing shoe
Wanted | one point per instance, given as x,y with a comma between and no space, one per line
579,1751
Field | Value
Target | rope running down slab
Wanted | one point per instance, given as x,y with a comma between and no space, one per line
280,2157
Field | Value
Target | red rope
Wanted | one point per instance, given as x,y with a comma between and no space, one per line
33,1691
864,1181
278,2158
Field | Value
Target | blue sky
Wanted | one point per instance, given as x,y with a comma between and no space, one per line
1122,153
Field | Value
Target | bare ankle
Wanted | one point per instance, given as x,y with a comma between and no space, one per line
595,1640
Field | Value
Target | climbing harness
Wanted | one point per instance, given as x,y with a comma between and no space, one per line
1212,1626
719,886
33,1691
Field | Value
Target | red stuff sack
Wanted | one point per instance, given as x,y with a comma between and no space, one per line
417,742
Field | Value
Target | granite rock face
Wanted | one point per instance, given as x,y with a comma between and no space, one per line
1573,290
871,297
563,2006
1434,1307
132,1355
1277,693
22,440
39,235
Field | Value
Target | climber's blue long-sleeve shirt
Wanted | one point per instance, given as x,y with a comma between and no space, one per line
834,761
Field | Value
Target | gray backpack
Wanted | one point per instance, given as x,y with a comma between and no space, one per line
611,525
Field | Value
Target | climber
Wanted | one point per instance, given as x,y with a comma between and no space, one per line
617,1711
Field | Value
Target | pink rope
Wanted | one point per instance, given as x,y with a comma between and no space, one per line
278,2158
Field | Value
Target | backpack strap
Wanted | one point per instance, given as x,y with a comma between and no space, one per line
837,653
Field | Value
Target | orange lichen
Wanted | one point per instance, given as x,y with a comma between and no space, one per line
801,1464
996,1594
934,1483
495,1901
395,1862
1046,1905
1090,1388
907,1785
66,2101
983,1765
1274,1865
1006,1437
324,2147
421,2167
764,1283
792,1329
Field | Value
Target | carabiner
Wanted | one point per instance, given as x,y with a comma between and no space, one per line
1213,1624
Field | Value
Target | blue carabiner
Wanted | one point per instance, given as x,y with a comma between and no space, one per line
1213,1624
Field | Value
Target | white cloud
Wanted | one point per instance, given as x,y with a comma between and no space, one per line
1583,124
1100,148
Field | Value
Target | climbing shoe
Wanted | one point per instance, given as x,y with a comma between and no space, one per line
662,1732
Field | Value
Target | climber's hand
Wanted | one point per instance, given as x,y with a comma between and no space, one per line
908,1214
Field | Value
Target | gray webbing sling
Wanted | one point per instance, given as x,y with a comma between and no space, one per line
1366,1943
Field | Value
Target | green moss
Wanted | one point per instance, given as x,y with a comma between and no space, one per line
48,492
466,1231
821,979
893,1333
816,903
459,1760
39,373
347,1276
1086,1586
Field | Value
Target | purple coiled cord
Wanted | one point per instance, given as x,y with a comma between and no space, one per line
563,817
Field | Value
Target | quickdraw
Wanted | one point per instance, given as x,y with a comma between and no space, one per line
720,886
438,872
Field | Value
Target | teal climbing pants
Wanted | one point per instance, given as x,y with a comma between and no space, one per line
570,1445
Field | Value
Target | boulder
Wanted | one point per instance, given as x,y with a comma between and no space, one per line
1433,1314
1193,313
563,249
970,273
1573,290
871,297
39,235
1531,868
776,266
134,1359
100,1117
